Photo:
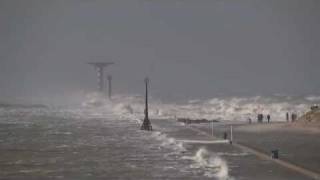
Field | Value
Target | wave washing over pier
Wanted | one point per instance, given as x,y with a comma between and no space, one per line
95,143
227,108
102,140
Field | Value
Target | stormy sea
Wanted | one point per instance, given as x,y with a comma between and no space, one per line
101,139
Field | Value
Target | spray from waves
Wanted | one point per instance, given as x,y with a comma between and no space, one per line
132,107
124,107
214,165
315,99
229,108
168,142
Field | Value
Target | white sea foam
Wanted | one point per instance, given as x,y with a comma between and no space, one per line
169,142
214,165
230,108
313,98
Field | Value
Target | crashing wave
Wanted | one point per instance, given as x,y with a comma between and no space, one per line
215,166
229,108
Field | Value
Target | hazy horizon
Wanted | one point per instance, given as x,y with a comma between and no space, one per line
189,49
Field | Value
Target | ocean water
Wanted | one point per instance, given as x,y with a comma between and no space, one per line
101,138
226,108
94,143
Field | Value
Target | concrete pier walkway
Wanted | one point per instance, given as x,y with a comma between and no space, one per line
244,162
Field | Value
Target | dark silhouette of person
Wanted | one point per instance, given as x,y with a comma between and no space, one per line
268,118
287,116
293,117
260,118
250,120
225,135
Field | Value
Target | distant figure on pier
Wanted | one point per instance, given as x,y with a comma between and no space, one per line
225,135
260,118
268,118
287,116
293,117
249,120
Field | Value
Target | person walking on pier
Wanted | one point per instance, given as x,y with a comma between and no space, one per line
293,117
260,118
268,118
249,120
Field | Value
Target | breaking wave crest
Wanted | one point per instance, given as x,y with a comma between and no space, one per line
214,165
168,142
229,108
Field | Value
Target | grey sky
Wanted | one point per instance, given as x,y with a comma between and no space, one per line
189,49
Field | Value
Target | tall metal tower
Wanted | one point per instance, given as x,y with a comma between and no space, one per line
99,67
146,125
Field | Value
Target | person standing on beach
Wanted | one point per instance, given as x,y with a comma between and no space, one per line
287,116
268,118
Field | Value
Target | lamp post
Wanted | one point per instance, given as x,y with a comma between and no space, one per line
109,86
146,125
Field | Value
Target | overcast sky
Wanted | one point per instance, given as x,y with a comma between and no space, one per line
188,48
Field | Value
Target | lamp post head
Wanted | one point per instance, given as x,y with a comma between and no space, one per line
147,80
